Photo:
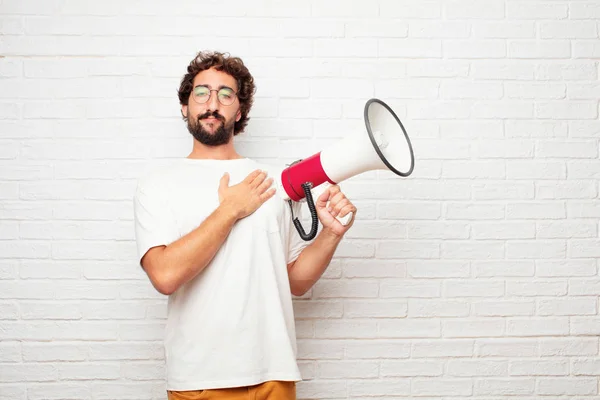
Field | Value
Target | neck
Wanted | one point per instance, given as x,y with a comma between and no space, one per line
223,152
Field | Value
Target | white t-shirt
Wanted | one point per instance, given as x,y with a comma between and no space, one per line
233,324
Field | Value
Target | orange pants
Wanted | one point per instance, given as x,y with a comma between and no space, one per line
272,390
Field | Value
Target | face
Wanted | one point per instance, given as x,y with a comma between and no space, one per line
212,123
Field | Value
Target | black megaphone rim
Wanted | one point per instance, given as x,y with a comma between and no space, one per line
374,142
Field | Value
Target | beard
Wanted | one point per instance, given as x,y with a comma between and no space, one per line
222,135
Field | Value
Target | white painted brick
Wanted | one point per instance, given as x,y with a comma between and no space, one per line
486,49
472,288
584,248
586,49
570,190
574,306
13,392
345,329
409,288
413,48
474,211
536,210
567,386
471,129
375,28
535,91
373,269
318,309
411,9
471,90
464,368
567,229
503,230
570,110
441,387
438,29
467,328
572,71
411,368
496,30
408,249
574,149
568,30
375,309
501,70
547,49
568,347
407,89
29,373
507,347
10,352
320,350
438,269
536,129
584,287
86,371
536,10
504,149
377,349
409,328
436,68
589,367
493,9
442,348
437,308
472,250
380,387
326,389
539,368
426,230
505,387
581,91
507,268
585,326
347,369
536,288
503,308
334,288
533,327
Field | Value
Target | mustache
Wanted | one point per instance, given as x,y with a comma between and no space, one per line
214,114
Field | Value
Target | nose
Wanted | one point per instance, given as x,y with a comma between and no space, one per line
213,102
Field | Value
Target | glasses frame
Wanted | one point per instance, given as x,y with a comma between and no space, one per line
210,94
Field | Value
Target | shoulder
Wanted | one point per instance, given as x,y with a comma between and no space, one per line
158,176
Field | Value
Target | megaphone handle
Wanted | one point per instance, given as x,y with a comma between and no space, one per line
313,214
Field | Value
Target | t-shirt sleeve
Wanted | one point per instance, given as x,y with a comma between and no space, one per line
296,243
154,224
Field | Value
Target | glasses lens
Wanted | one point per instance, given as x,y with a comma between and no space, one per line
226,96
201,94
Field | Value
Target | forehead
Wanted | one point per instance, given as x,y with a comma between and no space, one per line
214,79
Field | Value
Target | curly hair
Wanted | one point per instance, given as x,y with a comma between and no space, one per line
233,66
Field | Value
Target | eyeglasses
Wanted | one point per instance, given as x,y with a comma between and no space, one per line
226,96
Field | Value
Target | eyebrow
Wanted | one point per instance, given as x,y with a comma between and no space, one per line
220,87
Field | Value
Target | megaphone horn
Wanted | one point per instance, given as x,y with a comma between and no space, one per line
387,147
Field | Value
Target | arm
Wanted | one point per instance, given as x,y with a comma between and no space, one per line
315,258
171,266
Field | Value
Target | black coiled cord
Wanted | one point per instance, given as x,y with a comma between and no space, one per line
313,213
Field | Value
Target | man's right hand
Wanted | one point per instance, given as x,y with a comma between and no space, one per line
245,197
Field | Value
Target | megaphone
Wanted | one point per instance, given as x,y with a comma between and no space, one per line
386,147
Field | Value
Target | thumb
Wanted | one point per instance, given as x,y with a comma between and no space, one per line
323,198
224,182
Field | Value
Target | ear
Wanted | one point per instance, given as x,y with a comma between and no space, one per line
238,115
184,110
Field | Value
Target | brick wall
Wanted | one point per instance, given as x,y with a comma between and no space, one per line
477,277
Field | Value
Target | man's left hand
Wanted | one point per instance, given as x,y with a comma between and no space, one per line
339,206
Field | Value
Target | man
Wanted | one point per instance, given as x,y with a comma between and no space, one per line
213,235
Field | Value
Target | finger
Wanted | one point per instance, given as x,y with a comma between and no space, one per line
334,189
224,182
323,199
252,176
265,185
267,195
335,199
349,208
339,206
258,179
